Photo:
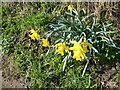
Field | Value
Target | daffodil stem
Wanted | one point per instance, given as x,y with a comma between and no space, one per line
85,68
48,51
65,60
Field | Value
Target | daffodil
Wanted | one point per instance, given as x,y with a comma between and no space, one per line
62,48
34,34
70,7
85,44
45,43
78,51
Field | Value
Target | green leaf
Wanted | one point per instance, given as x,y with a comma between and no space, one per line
95,50
65,60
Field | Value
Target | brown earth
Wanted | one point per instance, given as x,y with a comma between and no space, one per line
108,78
9,79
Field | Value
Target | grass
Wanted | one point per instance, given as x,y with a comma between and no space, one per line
29,58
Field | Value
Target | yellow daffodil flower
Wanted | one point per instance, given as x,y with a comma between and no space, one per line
70,7
34,34
61,48
45,43
85,44
78,51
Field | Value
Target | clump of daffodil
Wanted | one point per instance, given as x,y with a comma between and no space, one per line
70,7
78,52
34,34
62,48
45,43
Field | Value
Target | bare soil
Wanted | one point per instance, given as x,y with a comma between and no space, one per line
9,78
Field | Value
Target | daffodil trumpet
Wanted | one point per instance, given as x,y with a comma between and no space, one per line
80,49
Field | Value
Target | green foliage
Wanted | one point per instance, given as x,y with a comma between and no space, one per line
14,29
79,25
42,69
16,43
118,76
48,73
